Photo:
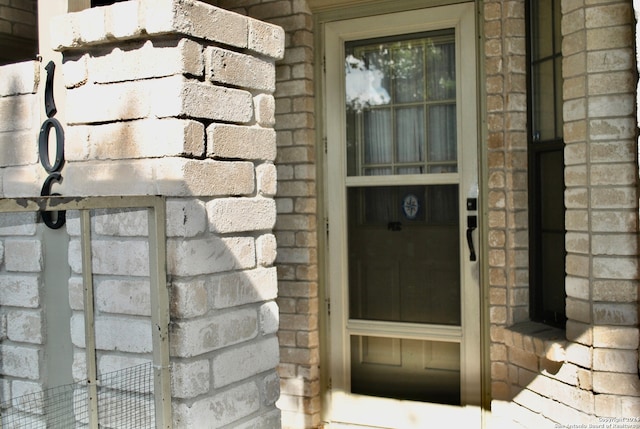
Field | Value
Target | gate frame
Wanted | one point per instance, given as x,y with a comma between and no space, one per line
159,293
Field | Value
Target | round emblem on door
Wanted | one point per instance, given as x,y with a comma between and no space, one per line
410,206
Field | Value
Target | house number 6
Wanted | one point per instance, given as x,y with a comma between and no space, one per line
43,150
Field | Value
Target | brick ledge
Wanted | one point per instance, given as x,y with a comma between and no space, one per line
543,340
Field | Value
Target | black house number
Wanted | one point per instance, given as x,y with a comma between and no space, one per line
53,168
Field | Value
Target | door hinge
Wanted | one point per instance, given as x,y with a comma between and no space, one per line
324,142
324,64
328,301
329,384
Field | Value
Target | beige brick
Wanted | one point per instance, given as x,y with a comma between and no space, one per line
210,255
19,113
164,97
608,15
615,337
188,299
615,290
149,60
615,313
266,180
147,138
616,383
239,70
614,244
615,268
232,141
241,214
613,360
265,108
609,38
19,78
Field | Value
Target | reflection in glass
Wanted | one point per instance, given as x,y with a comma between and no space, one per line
401,104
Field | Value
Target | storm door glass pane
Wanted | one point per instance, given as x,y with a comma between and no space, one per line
400,104
404,254
410,135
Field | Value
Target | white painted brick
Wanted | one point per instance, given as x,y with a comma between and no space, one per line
188,299
19,361
615,268
19,78
265,106
266,250
228,215
25,326
123,296
146,138
19,113
91,26
190,379
267,39
110,363
25,394
164,97
269,318
23,255
121,223
151,59
243,287
236,364
114,257
196,19
184,177
74,71
173,177
232,141
240,70
79,366
20,291
270,388
76,299
5,390
228,406
267,179
210,255
23,181
122,20
269,420
109,333
18,148
186,217
198,336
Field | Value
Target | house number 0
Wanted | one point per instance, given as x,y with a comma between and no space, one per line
43,150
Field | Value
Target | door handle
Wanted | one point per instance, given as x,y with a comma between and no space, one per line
472,223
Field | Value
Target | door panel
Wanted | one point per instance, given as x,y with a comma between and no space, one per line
401,162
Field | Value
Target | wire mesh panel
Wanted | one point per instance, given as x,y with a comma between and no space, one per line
125,400
117,293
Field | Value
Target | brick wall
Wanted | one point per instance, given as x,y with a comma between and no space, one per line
171,98
296,226
542,376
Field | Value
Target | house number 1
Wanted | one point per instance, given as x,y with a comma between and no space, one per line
43,150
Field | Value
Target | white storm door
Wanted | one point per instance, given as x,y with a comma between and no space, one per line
401,128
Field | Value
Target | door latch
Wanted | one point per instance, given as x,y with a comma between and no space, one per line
472,224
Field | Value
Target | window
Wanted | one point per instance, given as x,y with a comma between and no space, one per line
18,32
546,164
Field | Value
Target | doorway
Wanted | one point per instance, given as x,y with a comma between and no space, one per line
402,205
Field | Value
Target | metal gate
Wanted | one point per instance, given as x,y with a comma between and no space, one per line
105,401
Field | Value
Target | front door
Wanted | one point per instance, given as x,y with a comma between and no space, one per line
402,209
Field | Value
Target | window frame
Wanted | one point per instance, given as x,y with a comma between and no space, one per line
536,148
